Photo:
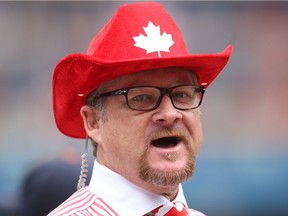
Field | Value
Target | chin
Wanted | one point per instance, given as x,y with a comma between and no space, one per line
167,176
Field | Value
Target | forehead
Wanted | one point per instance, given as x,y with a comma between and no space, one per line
162,77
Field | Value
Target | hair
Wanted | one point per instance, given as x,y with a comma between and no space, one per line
98,103
95,102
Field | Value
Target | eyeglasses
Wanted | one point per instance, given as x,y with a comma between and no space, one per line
147,98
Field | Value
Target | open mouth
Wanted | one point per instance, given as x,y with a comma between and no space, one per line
166,142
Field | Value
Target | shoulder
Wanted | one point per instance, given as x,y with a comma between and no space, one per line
82,202
195,213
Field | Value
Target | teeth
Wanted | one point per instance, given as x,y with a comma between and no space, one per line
165,142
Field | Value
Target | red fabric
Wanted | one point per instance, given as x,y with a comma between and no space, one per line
83,202
171,209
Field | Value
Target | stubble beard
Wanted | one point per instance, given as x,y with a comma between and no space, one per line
168,178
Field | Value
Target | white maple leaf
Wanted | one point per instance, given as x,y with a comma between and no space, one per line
154,41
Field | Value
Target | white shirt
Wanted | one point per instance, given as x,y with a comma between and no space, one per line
109,191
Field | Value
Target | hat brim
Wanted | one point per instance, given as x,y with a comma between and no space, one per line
76,75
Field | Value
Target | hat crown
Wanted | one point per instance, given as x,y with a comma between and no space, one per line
138,30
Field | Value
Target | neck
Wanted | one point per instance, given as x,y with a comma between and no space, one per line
170,192
170,197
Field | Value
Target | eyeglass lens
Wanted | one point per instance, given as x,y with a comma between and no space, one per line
147,98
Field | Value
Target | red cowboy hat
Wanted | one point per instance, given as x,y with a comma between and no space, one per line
140,36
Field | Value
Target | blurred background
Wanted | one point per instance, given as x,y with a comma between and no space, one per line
242,168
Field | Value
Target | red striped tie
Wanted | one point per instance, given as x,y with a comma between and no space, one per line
171,209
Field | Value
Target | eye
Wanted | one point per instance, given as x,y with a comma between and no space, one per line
141,101
183,95
142,94
180,95
140,98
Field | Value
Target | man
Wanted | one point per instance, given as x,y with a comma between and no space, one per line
138,91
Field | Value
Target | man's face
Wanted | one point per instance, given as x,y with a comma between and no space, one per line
149,148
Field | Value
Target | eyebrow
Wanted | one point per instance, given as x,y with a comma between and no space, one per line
136,82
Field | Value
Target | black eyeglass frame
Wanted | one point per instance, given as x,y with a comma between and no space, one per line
163,91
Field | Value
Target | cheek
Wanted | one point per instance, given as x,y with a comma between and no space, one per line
195,129
123,133
199,138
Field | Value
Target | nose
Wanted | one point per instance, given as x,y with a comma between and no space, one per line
166,114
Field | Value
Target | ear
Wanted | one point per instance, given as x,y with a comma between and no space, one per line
91,121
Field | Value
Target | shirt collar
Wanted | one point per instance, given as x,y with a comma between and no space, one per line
135,201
